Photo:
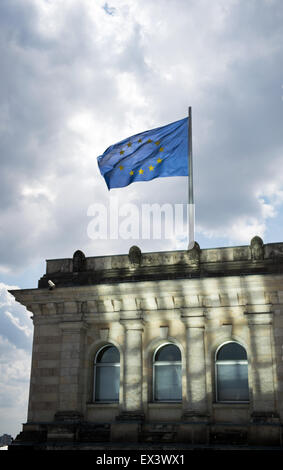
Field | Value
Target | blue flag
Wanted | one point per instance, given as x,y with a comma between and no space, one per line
151,154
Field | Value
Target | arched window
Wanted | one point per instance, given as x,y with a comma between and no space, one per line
107,374
231,373
167,374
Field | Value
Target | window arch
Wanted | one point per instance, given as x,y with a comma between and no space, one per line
107,374
167,373
231,371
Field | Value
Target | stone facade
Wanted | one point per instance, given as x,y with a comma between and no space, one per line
197,300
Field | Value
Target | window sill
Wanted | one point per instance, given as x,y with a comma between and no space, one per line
109,404
165,404
228,404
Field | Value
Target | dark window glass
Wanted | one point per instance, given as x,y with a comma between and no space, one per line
108,354
233,382
232,373
170,352
232,351
107,375
167,374
107,383
168,383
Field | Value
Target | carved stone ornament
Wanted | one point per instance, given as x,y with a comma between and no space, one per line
256,247
79,261
193,255
135,256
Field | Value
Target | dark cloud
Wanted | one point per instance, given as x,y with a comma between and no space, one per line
75,80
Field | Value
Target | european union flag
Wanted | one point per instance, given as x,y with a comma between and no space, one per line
151,154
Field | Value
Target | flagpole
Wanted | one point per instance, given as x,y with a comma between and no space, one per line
191,214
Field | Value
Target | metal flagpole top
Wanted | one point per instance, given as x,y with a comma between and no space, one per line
191,205
190,153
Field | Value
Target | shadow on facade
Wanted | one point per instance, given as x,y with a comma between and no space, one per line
198,313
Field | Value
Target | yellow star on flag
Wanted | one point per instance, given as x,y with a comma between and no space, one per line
161,149
151,168
121,167
129,144
159,160
149,140
141,171
157,143
122,152
131,172
139,141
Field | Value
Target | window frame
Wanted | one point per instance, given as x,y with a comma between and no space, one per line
105,364
231,362
179,363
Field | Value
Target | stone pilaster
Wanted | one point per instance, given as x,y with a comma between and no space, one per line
128,423
45,370
264,426
196,400
261,363
132,400
71,369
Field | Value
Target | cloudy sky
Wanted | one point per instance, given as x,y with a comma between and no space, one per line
80,75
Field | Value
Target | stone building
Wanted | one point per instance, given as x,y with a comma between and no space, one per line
167,347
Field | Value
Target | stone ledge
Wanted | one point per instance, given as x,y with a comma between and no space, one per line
249,259
230,405
165,405
103,405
